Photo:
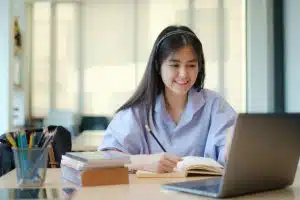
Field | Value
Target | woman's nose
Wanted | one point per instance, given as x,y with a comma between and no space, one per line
182,71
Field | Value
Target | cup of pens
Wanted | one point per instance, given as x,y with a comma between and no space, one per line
31,157
31,166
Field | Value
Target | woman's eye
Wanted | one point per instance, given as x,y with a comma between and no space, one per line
192,66
174,65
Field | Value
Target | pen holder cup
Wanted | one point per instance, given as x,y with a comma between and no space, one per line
31,166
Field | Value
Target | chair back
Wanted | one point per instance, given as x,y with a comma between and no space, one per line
94,123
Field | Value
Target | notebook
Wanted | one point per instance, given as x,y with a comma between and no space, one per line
190,165
83,160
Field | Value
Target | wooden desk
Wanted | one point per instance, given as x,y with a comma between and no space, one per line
87,141
145,189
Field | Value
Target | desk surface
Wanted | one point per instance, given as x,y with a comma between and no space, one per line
87,140
149,188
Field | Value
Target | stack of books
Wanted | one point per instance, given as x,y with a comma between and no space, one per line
95,168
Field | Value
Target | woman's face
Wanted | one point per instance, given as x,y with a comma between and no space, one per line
179,71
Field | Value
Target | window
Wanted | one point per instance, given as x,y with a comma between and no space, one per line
41,59
62,49
117,37
116,53
66,79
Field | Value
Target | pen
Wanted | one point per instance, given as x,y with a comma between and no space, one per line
23,140
30,130
11,140
41,140
149,130
49,138
19,140
31,140
47,141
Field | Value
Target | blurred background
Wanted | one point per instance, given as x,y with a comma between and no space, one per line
74,62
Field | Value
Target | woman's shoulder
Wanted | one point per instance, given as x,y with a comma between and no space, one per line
209,95
130,114
215,100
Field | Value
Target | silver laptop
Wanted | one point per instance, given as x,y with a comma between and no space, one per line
263,156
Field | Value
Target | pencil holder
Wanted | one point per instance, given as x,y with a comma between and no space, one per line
31,166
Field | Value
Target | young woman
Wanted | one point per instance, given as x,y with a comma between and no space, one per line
170,115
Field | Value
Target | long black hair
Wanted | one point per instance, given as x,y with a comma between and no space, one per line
171,39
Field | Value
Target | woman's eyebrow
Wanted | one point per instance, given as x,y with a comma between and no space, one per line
178,61
193,60
174,60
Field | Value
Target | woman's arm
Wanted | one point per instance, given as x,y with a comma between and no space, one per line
125,136
223,118
159,163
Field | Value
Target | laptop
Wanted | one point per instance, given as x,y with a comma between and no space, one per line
263,156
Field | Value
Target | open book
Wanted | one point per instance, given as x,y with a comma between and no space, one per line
190,165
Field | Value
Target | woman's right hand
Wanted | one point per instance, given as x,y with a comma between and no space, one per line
161,163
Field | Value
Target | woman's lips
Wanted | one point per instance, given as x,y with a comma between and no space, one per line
182,82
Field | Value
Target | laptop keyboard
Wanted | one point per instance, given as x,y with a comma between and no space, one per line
206,186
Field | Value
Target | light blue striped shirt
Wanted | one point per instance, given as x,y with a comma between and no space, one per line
201,130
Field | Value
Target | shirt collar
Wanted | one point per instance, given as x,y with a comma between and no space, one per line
195,101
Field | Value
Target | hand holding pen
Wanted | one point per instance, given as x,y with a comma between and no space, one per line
158,163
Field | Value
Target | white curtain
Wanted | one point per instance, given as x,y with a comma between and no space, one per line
40,69
64,91
66,79
117,37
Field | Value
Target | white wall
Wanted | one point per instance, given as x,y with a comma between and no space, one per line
259,56
292,59
18,70
5,33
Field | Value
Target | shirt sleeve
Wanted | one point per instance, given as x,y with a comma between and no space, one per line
223,119
123,133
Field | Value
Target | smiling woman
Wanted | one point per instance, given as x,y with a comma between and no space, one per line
179,73
171,104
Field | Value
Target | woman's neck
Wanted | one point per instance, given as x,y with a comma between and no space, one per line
175,103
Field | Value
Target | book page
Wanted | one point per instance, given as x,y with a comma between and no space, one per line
146,174
190,162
